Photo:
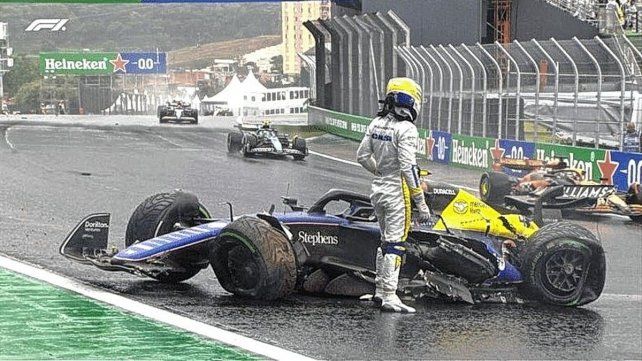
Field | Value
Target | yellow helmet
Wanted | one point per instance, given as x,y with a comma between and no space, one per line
406,93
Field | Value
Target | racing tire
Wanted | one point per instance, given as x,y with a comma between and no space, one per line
251,141
634,197
251,259
562,264
300,145
234,142
494,186
156,216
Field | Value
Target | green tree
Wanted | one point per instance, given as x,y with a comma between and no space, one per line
25,70
28,97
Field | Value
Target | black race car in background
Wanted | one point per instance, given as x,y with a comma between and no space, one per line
266,140
177,111
563,187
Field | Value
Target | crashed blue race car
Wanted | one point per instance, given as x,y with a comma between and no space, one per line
472,253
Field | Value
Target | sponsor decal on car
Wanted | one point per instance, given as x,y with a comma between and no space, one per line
579,192
318,238
444,191
460,207
96,226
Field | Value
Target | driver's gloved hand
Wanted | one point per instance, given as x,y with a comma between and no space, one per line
424,216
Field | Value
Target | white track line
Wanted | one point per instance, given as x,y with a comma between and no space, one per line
156,314
6,139
359,165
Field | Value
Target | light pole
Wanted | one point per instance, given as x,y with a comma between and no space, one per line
6,61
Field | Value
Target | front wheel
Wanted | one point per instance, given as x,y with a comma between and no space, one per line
563,264
160,214
251,259
234,142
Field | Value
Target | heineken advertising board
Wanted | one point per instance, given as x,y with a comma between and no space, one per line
608,166
107,63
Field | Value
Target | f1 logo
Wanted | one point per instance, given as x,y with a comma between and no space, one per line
51,24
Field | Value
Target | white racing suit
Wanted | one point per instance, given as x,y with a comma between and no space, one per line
388,151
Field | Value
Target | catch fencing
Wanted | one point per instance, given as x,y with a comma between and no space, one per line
575,92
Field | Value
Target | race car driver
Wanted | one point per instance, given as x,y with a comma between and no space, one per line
388,151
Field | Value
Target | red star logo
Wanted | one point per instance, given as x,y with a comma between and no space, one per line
607,168
119,63
430,145
497,153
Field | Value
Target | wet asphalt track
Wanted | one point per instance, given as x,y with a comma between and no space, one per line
50,177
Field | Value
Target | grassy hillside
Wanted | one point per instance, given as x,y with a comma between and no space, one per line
203,55
138,26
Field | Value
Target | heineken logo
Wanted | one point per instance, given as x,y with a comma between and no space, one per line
469,153
53,65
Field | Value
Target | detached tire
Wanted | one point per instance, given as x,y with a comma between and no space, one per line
234,142
251,259
300,145
563,264
156,216
634,197
494,186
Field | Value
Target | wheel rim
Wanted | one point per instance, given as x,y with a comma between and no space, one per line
244,272
483,188
565,269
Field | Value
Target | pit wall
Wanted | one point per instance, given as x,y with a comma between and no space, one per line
608,166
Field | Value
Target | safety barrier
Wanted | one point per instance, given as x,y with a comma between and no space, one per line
608,166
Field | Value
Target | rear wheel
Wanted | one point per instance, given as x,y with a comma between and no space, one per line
494,186
300,145
563,264
159,214
634,197
251,259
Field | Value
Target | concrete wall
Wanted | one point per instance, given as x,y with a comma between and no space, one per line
536,19
437,21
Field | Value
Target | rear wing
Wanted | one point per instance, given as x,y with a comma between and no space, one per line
89,238
532,164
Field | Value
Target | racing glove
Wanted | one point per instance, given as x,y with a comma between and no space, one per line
424,216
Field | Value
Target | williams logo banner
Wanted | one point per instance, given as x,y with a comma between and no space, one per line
102,63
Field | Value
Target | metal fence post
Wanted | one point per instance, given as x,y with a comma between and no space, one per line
622,88
348,63
431,90
484,84
460,107
441,84
357,72
599,90
410,69
537,85
420,73
472,87
395,42
557,82
381,83
576,95
500,93
450,90
518,92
